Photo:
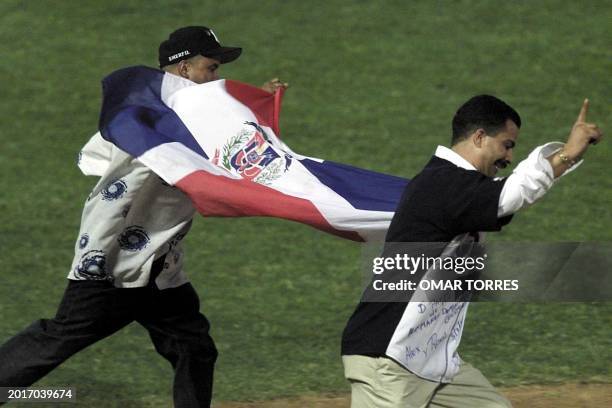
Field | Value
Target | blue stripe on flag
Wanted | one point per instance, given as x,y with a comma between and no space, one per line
133,116
364,189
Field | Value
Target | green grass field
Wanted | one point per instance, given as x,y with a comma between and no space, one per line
373,84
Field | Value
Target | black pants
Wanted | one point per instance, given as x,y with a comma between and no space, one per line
93,310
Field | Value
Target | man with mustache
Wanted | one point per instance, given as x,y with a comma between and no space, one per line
399,354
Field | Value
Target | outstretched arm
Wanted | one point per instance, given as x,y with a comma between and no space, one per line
534,176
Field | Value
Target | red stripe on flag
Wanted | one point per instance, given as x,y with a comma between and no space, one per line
265,105
278,98
220,196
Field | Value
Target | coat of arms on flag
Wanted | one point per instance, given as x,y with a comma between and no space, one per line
250,154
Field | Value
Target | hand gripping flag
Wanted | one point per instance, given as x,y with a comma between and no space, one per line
218,142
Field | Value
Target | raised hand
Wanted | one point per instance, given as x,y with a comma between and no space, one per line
582,134
274,84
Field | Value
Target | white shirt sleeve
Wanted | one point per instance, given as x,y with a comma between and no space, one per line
531,179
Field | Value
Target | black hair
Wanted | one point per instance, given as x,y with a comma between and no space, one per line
482,111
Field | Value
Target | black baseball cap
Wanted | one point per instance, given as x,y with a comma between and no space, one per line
190,41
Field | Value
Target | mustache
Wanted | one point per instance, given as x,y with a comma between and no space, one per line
502,163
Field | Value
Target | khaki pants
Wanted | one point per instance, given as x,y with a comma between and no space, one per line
382,383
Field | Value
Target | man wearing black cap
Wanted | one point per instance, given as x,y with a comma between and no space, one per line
128,258
195,53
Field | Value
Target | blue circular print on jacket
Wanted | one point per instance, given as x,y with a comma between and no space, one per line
92,266
134,238
114,190
83,241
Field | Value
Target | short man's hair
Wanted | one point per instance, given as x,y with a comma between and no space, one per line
482,111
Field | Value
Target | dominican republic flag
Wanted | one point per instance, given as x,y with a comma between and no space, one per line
218,142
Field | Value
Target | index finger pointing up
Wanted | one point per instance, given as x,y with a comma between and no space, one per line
583,111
